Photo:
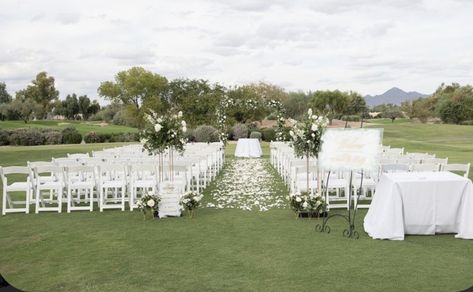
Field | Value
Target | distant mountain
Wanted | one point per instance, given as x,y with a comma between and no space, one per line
394,96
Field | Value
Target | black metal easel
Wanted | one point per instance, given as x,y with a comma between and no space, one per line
350,232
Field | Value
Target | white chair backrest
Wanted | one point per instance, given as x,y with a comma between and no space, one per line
458,167
78,155
54,171
395,167
426,167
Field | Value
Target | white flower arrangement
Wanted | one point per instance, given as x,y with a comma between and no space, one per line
307,136
307,202
149,203
164,132
191,201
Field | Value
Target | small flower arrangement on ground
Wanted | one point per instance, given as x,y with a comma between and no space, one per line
191,201
148,204
301,202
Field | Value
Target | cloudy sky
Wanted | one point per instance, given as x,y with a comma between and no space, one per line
363,45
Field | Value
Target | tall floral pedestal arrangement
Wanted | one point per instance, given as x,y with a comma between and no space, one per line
164,136
306,138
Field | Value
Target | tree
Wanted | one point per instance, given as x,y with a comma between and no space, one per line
196,98
43,92
71,106
248,106
329,103
25,108
5,97
84,104
392,112
296,104
455,103
93,108
356,106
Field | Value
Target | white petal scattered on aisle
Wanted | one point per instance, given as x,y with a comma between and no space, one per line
248,185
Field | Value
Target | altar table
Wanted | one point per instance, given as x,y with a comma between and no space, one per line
248,148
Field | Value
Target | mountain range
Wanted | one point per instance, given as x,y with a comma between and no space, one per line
394,96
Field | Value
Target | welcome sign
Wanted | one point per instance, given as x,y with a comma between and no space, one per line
350,149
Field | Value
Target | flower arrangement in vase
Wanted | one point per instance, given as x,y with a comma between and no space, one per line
307,202
190,201
306,138
149,204
164,133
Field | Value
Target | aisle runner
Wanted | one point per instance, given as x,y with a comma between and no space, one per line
247,184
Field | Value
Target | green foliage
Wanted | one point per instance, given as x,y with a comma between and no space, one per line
24,108
136,87
240,131
42,91
70,135
330,103
4,137
256,135
31,137
94,137
164,132
455,103
197,99
269,134
206,133
71,106
296,104
190,135
5,97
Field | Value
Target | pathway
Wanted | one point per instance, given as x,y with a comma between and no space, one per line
248,184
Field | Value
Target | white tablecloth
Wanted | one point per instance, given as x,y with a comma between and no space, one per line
248,148
421,203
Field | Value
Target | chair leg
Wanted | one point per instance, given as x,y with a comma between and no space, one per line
4,200
59,200
101,199
38,194
69,198
91,198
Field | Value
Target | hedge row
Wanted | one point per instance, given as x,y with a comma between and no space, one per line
70,135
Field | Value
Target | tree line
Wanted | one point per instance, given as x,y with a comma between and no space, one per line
134,92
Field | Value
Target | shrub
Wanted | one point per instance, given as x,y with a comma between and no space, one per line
256,135
52,137
4,137
269,135
206,133
124,137
27,137
352,118
70,135
92,137
240,131
190,135
467,123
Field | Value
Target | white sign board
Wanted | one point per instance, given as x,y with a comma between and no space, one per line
350,149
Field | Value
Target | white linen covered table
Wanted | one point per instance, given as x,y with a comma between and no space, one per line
248,148
421,203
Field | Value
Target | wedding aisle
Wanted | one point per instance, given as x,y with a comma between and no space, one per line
248,184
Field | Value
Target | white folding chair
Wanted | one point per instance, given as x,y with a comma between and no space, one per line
80,187
465,168
112,186
336,181
8,204
53,186
143,177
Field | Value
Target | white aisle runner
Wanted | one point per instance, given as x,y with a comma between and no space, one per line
247,184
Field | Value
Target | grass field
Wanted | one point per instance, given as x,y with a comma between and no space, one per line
229,249
81,126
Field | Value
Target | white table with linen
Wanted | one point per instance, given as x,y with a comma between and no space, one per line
248,148
421,203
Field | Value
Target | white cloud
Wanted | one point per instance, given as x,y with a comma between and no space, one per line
363,45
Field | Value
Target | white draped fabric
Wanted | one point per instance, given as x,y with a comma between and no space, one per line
421,203
248,148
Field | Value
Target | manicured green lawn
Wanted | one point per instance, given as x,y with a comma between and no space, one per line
81,126
228,249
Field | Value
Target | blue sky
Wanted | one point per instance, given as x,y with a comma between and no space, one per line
363,45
